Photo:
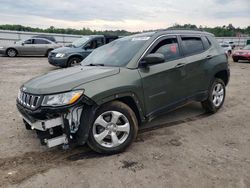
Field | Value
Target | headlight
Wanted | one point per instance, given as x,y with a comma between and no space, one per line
62,98
1,47
60,55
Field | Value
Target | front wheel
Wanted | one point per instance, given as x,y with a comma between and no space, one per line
215,100
114,128
74,61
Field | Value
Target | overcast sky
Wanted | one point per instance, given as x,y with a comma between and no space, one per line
132,15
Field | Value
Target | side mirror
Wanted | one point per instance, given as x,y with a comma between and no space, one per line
22,43
152,59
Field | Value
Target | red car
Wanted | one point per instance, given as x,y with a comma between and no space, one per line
243,54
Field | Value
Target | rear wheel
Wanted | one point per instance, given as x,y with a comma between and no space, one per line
74,61
216,96
114,128
11,52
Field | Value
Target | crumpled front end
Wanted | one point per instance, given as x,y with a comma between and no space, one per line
53,125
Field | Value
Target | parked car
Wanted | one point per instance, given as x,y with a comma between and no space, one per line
73,54
32,46
122,85
243,54
51,38
227,48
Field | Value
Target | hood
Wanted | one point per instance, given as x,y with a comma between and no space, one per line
67,79
66,50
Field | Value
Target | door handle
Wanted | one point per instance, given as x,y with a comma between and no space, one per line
179,65
209,56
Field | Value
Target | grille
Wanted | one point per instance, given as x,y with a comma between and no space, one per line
28,100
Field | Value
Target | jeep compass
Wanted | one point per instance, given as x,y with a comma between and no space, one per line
122,85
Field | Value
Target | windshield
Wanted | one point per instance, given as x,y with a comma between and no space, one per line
117,53
78,43
246,47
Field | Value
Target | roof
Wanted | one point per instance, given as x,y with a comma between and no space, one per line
170,31
184,31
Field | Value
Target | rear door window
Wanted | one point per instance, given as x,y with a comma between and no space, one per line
100,42
192,45
95,43
40,41
169,48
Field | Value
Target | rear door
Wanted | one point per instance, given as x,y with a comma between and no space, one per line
163,83
195,49
41,46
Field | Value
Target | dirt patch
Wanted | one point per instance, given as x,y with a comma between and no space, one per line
132,165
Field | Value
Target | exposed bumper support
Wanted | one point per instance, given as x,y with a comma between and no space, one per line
44,125
57,141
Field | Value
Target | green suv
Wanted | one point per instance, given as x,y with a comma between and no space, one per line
122,85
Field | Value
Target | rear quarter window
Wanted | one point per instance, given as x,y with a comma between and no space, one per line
192,45
206,42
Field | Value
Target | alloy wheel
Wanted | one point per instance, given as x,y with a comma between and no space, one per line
111,129
218,94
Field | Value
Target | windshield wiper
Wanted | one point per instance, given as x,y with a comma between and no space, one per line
98,64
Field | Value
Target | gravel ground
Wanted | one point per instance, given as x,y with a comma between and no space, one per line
188,149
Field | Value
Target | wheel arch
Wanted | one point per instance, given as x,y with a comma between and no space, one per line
75,55
49,50
129,99
11,48
224,75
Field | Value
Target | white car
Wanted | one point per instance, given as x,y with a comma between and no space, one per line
227,48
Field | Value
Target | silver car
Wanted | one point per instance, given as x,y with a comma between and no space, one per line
33,46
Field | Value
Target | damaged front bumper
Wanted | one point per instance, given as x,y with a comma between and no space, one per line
48,125
54,126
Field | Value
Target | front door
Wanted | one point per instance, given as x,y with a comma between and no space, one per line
163,83
26,48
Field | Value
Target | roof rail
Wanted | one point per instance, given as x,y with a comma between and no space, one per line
180,29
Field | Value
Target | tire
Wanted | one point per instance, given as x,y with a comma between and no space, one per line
114,128
217,93
11,52
73,61
235,60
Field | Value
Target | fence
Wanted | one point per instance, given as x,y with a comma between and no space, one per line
8,37
238,41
